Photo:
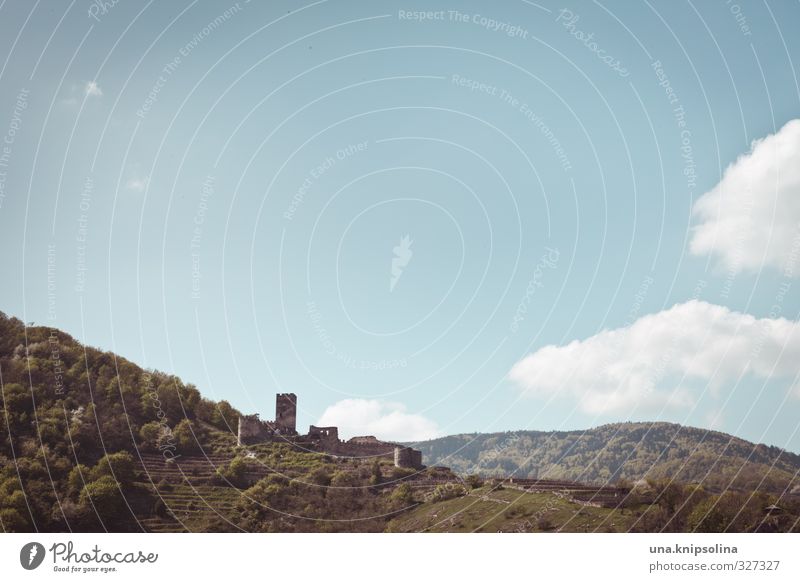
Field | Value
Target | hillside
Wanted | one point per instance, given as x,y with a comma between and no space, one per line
629,451
495,506
90,441
486,509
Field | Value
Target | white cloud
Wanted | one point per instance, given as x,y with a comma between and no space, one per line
751,219
663,359
386,420
136,184
92,89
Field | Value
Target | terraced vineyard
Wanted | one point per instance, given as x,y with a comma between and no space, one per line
488,509
186,497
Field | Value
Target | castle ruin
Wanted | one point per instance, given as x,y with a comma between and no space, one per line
286,414
407,457
253,430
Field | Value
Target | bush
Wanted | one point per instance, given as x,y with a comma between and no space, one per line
402,472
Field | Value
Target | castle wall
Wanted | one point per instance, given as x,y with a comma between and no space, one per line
328,435
253,430
364,450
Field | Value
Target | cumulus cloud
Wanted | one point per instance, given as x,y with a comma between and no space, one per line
663,359
92,89
386,420
751,219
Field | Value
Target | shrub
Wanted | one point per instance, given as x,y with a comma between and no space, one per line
448,491
235,473
106,497
402,495
320,476
474,481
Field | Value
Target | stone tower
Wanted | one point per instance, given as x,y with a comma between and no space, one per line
286,413
407,457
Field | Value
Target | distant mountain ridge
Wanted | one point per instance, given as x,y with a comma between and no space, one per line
629,451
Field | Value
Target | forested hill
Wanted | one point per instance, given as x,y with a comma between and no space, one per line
99,399
630,451
65,407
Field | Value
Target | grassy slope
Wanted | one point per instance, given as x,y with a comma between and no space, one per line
510,510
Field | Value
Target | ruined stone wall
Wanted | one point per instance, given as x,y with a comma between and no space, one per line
325,434
253,430
363,440
365,450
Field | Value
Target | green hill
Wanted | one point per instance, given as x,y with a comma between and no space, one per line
628,451
89,441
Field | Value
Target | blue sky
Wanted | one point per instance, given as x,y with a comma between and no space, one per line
421,223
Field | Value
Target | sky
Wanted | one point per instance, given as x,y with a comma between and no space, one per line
423,218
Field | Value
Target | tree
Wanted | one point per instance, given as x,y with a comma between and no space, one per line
150,434
474,481
225,417
728,512
235,473
119,466
185,439
76,478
